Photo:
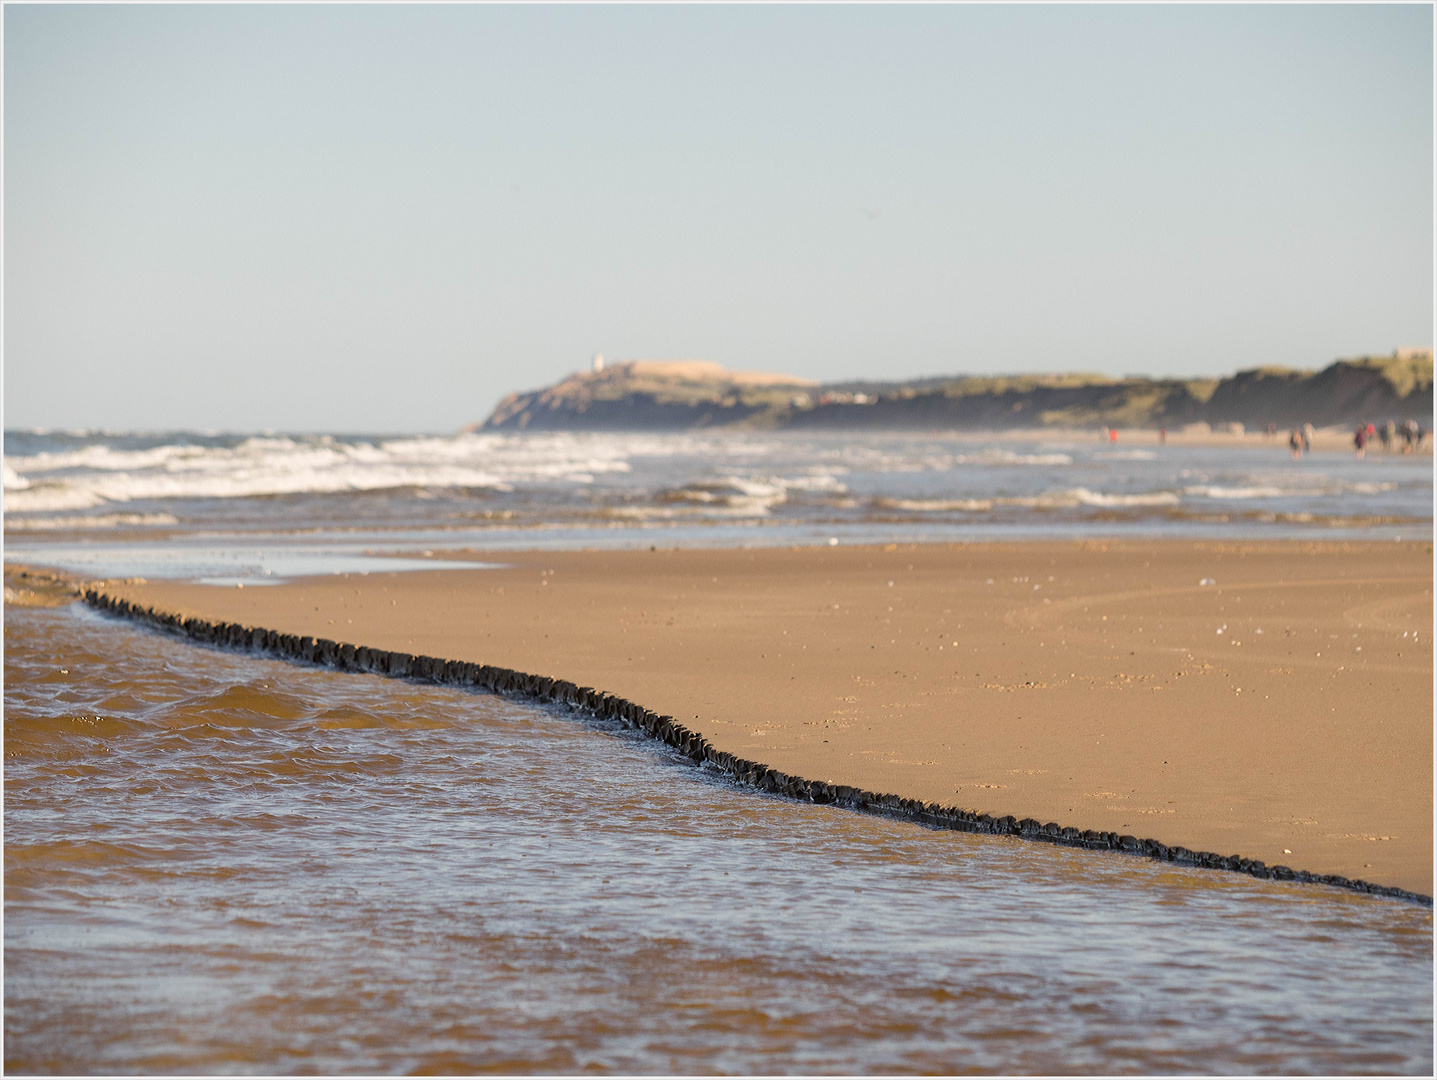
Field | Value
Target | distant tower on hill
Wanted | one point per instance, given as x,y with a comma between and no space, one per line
598,362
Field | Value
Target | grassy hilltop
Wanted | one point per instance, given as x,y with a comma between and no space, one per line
679,395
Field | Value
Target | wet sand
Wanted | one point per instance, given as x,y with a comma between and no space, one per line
1083,683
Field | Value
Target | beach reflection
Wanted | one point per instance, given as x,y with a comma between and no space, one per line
218,863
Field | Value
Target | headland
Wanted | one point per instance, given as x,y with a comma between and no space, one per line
638,395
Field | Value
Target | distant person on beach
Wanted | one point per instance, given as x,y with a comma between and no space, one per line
1359,440
1163,435
1294,442
1308,431
1386,433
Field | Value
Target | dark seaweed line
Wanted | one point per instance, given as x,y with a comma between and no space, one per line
667,730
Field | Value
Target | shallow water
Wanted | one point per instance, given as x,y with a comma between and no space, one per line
219,863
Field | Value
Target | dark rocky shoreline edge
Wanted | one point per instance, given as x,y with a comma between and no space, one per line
360,658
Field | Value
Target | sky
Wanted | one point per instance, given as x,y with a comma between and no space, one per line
384,218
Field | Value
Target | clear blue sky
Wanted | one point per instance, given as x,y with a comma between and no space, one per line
384,218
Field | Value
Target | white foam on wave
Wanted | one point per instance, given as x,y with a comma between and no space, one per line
683,475
1298,487
1364,488
50,497
96,475
13,480
738,496
100,474
938,506
1103,498
88,521
1053,500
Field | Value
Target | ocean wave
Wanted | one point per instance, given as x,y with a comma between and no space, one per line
1364,488
92,476
1080,496
128,468
705,477
743,496
1217,491
929,506
1102,498
1290,490
1053,500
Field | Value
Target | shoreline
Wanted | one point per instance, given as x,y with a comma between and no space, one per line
1084,684
1330,439
324,652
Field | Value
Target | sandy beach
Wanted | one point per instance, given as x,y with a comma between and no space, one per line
1282,711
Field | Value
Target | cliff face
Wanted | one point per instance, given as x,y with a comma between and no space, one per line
679,395
1343,393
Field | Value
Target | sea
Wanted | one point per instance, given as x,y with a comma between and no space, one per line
221,863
